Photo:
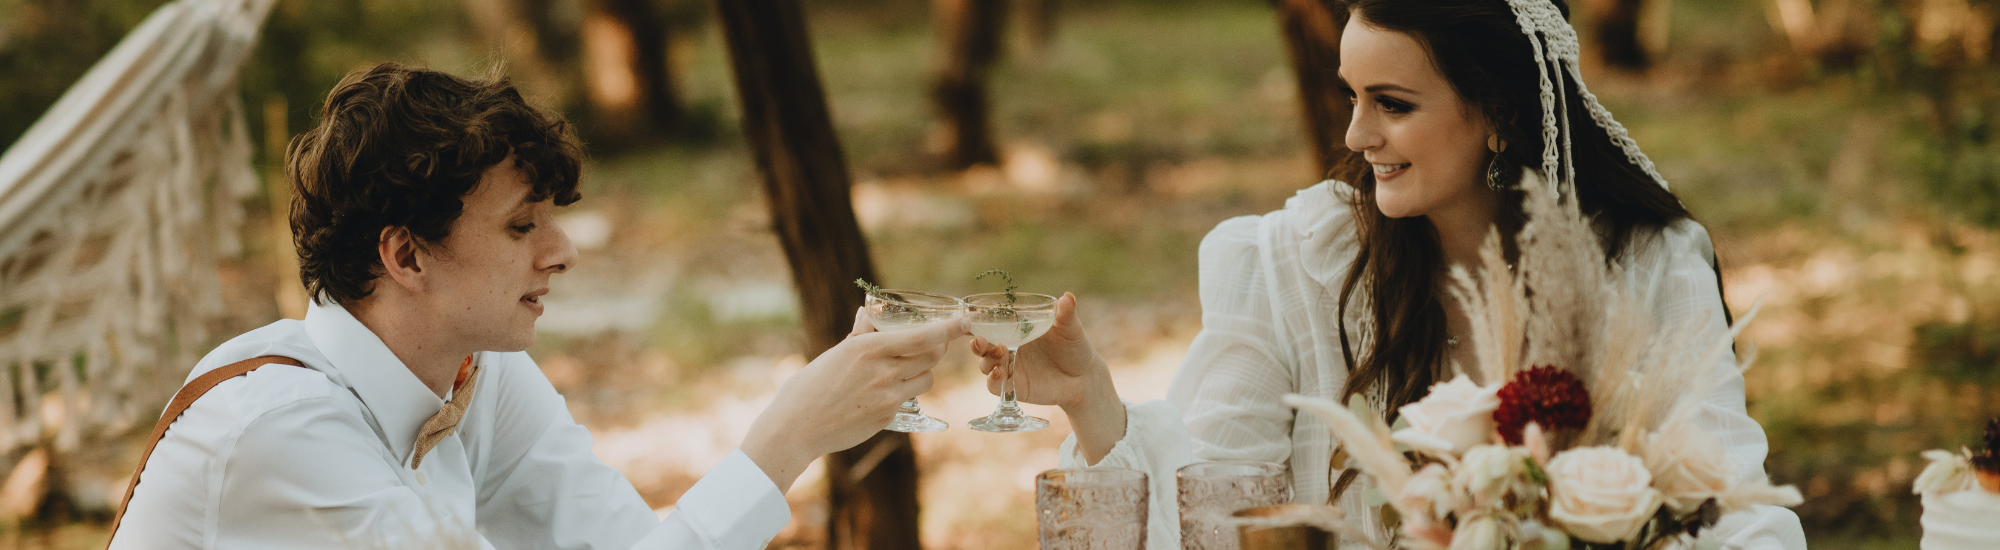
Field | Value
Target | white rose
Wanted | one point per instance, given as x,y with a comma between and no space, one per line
1689,467
1455,416
1487,472
1600,494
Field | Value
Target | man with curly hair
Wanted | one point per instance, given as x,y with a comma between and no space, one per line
402,412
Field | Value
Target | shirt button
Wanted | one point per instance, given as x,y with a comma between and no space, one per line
421,480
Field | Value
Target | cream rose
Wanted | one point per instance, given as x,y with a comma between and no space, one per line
1689,466
1600,494
1455,416
1486,473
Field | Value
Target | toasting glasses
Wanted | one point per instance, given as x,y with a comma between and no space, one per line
900,309
1009,319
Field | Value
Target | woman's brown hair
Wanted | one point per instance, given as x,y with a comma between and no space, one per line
400,146
1481,51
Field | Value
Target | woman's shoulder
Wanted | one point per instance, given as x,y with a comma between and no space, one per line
1311,212
1680,241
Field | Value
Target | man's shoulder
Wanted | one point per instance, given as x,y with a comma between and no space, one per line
284,338
271,387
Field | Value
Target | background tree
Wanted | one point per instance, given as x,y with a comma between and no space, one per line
606,59
873,487
969,44
1038,26
1312,41
1615,25
632,93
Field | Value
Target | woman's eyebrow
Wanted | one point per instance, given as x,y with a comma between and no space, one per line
1378,88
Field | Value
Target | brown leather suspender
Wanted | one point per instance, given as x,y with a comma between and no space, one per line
187,396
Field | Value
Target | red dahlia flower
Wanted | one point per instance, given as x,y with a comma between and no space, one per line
1548,396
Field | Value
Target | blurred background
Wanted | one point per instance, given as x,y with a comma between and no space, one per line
1845,154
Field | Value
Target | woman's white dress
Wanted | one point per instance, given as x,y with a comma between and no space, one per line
1269,295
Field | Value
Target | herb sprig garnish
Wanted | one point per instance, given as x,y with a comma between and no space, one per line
872,290
1004,276
1026,327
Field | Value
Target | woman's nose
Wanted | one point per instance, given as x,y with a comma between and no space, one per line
1362,135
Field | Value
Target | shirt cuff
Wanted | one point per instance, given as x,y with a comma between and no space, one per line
735,505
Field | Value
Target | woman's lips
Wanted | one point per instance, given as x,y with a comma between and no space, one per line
534,303
1386,172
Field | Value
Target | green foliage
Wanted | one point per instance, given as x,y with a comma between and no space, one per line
46,45
1959,352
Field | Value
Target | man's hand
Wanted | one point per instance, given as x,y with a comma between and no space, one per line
845,395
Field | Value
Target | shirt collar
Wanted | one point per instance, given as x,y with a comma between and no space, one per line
398,400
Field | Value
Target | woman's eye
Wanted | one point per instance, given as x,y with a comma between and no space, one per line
1394,107
524,228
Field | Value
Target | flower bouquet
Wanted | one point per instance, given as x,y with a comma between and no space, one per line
1961,496
1581,431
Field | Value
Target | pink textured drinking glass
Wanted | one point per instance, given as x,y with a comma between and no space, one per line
1211,491
1092,509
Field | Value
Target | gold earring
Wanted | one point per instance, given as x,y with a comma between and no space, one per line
1495,144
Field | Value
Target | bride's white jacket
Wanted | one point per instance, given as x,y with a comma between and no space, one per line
1269,295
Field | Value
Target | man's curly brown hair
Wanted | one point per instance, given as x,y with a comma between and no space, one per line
400,146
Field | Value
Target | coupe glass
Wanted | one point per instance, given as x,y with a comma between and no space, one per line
1211,491
1091,509
901,309
1009,319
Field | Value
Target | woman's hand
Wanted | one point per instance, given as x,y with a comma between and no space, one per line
1062,369
845,395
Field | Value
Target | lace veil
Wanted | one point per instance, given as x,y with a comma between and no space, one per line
1555,45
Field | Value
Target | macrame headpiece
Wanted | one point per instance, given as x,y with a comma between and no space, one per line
1555,44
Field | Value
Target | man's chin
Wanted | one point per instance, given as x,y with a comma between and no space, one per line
517,341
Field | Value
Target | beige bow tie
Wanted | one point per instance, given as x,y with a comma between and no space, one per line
445,422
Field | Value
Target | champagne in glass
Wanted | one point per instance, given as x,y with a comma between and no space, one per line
890,309
1011,320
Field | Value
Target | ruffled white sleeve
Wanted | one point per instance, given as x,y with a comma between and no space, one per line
1225,403
1684,287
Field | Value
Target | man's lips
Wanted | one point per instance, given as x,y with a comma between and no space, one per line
534,300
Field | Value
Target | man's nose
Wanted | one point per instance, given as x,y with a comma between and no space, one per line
562,253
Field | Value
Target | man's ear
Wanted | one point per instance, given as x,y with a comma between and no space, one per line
401,258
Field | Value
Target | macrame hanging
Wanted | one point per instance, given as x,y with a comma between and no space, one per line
114,209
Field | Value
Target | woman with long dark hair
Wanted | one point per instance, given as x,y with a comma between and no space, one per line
1342,291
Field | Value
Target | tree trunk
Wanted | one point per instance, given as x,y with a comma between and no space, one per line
969,37
536,50
625,55
1615,24
1038,19
873,487
1312,38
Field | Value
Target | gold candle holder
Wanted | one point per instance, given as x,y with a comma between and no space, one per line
1286,527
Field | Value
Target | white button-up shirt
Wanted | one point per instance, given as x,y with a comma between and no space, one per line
319,457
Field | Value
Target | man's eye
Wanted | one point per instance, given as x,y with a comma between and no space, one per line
524,228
